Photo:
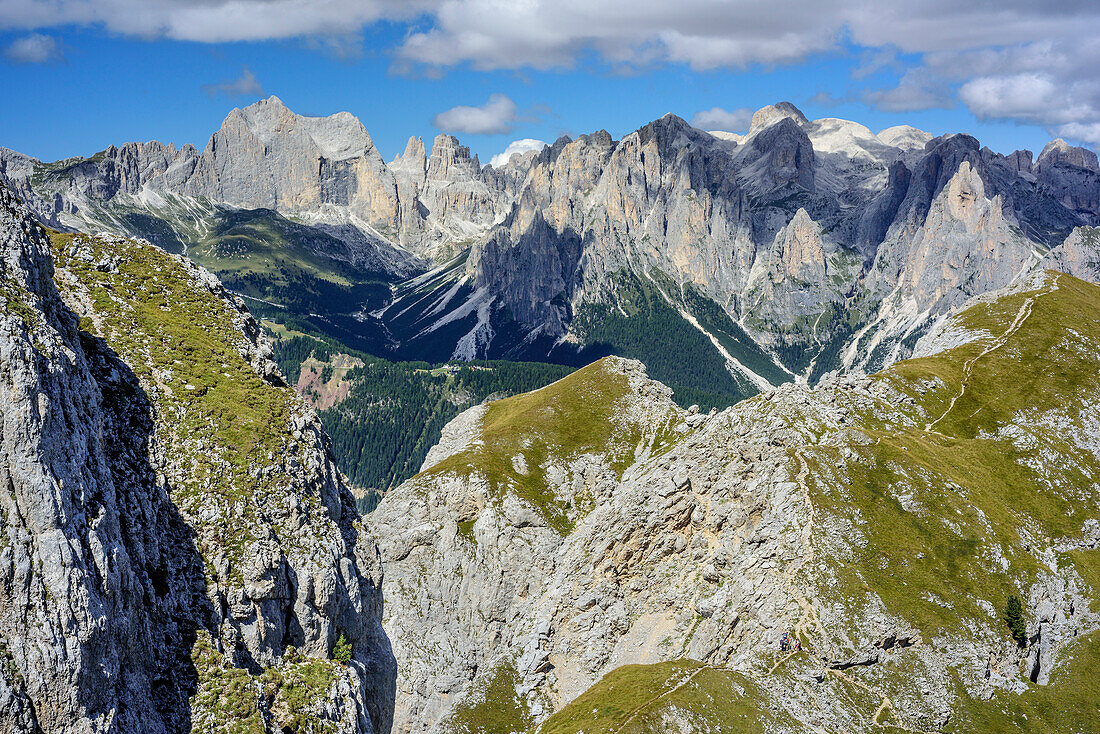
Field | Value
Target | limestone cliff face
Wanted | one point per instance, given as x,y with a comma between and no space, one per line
453,201
325,170
799,277
659,198
521,569
155,578
1079,255
908,228
267,156
509,178
964,247
113,172
1070,173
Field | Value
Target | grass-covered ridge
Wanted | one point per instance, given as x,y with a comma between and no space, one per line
587,412
968,473
226,430
639,699
994,460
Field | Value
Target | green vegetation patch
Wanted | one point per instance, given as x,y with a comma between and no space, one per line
230,700
636,699
303,270
226,430
576,415
494,709
1068,704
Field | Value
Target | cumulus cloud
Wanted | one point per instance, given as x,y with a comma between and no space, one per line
917,89
34,49
211,20
1050,83
498,115
246,85
516,146
717,118
1082,132
944,51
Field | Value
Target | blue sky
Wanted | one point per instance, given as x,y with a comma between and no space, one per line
79,79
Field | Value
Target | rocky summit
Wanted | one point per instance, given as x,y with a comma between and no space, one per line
177,550
591,557
884,516
797,248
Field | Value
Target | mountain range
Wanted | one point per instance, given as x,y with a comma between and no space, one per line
590,557
822,452
777,255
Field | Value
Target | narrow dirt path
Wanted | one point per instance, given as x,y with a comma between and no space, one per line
1021,317
885,705
634,714
808,613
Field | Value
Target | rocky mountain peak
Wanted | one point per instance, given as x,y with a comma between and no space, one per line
667,133
773,113
414,150
450,158
801,250
1021,161
263,118
1059,152
905,137
337,137
411,166
783,155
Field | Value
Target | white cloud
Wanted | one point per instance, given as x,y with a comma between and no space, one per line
716,118
246,85
516,146
1020,95
211,21
941,48
918,89
34,49
498,115
1081,132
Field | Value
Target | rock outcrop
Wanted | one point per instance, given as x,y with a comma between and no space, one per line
177,549
533,253
522,569
684,213
451,193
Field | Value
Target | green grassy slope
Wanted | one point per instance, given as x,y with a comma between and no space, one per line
579,414
299,269
218,418
647,699
995,456
964,477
